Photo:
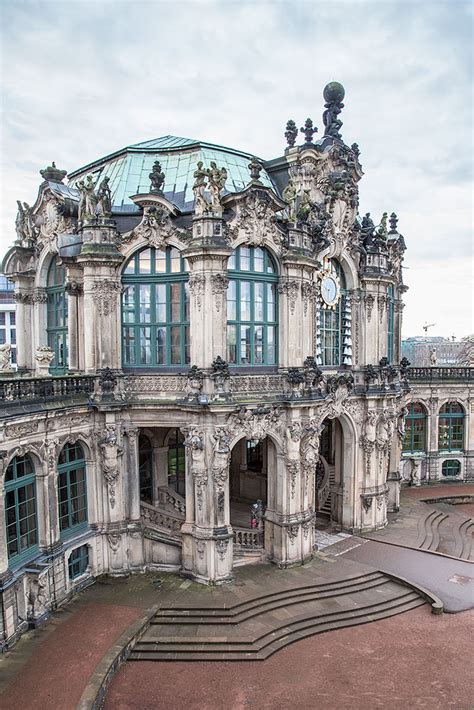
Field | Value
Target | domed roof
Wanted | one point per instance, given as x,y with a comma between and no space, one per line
129,169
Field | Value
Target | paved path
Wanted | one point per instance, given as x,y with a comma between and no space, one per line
412,661
452,580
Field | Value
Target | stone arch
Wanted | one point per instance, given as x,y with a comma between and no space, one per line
44,262
273,249
128,250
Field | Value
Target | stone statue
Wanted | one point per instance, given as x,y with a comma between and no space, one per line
289,195
24,223
110,453
104,198
382,228
88,199
201,203
367,231
5,357
333,95
401,427
217,179
433,357
157,177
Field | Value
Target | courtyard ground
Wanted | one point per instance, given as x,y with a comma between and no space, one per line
412,660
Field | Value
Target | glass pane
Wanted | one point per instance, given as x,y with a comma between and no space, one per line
245,345
231,262
129,346
245,301
128,301
160,262
175,260
244,259
145,303
258,259
145,346
258,345
160,303
130,268
270,302
175,302
231,301
144,261
232,344
258,304
161,346
176,345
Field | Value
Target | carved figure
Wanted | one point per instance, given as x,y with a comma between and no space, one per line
90,198
217,179
104,198
24,223
333,95
201,203
110,453
289,195
5,356
157,177
433,357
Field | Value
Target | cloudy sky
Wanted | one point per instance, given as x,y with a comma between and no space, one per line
81,79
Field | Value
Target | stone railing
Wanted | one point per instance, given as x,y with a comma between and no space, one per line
166,496
247,538
441,373
258,384
154,385
14,391
153,517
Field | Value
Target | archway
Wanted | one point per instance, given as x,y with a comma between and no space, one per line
252,475
334,484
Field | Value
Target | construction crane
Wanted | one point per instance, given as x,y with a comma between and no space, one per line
428,325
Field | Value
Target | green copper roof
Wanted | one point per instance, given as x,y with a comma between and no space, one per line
129,168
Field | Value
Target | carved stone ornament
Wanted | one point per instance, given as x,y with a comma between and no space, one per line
6,358
309,291
50,220
194,444
219,284
155,228
369,301
367,501
291,289
12,431
114,540
194,382
105,295
196,284
292,531
110,453
26,229
221,458
256,219
44,356
24,298
256,423
221,547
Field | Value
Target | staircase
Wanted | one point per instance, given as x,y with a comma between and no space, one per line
257,627
325,507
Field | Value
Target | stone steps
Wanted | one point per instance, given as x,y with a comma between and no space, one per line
447,532
428,538
257,627
273,638
269,602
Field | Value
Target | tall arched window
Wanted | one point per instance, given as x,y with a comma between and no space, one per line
155,309
415,429
72,489
390,323
20,509
145,468
176,461
333,319
57,316
252,317
451,427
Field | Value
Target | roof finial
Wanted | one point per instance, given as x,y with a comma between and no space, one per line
157,177
291,133
308,131
393,221
333,95
255,168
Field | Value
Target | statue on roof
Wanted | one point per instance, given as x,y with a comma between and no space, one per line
157,177
333,95
24,224
367,230
88,199
217,179
104,198
289,195
201,203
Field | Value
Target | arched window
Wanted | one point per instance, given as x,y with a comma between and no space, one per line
252,318
334,321
451,427
451,468
415,429
57,316
155,309
390,323
72,489
145,468
176,461
20,509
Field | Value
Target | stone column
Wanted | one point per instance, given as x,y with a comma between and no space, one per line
160,470
3,531
207,257
73,290
207,546
100,259
25,341
133,475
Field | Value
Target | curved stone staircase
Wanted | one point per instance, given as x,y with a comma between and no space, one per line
447,531
257,627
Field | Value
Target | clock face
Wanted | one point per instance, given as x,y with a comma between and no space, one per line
329,290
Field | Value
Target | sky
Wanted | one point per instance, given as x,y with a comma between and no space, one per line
81,79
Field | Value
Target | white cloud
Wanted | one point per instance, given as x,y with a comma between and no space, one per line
81,79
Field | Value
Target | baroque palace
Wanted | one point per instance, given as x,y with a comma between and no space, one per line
208,353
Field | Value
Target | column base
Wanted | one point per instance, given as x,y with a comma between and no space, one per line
207,554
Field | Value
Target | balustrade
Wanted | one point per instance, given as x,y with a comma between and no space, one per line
248,538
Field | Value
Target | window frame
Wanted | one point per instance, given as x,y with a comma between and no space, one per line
138,325
14,486
412,433
449,420
333,313
239,276
65,470
57,334
72,562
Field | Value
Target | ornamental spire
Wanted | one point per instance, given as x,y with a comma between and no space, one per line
333,95
308,131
